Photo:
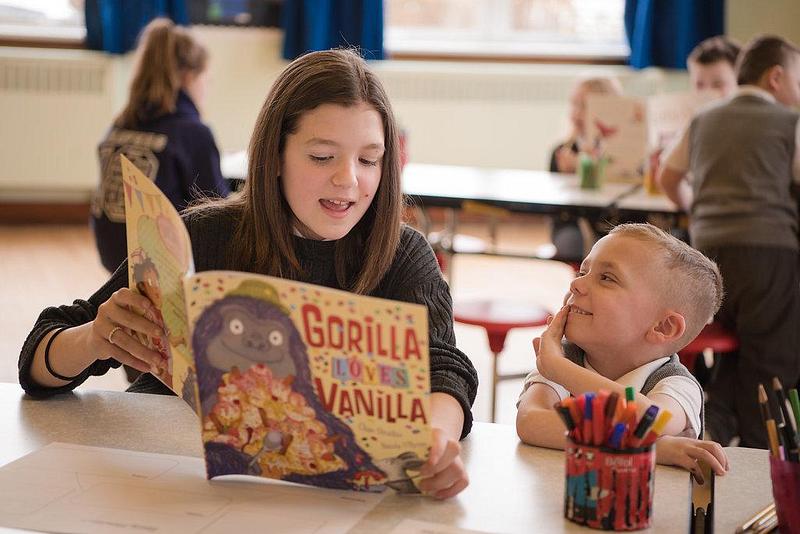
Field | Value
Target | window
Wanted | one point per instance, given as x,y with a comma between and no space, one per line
45,20
587,29
235,12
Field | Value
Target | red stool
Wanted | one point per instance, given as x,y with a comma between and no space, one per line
498,317
712,337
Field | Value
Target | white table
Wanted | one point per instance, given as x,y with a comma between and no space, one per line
514,487
641,201
513,189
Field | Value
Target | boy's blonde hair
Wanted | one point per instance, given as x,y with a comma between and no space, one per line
601,85
695,283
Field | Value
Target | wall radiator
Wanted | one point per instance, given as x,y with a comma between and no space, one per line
54,107
491,115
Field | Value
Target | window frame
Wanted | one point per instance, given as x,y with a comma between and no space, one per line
482,45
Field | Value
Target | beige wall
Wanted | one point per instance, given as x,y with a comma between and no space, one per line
244,63
747,18
495,115
490,115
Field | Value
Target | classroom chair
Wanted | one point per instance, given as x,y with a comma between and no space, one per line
498,318
714,339
448,242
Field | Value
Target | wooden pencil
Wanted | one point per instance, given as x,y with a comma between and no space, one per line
772,429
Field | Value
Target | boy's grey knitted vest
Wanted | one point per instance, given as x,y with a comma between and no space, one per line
740,157
672,367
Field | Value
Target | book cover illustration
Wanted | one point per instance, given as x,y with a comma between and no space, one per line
617,126
159,256
668,114
627,129
308,384
291,381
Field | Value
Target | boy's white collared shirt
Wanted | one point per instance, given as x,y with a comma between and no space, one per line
682,389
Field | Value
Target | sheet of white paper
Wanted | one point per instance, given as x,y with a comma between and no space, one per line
75,488
412,526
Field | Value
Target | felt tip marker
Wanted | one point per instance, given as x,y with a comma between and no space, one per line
658,428
587,418
644,425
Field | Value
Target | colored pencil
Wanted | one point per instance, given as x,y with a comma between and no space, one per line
772,429
791,450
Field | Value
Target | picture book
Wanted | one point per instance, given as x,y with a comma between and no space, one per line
616,127
159,257
669,113
291,381
627,129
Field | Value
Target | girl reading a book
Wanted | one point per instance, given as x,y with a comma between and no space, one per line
322,204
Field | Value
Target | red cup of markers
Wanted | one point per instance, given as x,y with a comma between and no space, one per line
786,492
609,489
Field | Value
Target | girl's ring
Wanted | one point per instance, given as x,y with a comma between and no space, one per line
111,334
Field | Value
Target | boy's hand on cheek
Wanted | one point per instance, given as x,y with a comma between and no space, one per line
550,359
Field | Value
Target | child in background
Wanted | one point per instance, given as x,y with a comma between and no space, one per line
640,296
161,132
712,66
732,170
564,157
565,233
322,204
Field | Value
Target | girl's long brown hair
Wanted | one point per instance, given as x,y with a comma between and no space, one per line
263,240
166,53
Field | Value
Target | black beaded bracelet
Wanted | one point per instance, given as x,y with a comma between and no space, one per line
47,357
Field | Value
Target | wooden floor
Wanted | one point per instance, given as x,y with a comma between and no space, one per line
43,266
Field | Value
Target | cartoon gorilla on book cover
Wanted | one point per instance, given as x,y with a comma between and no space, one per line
259,411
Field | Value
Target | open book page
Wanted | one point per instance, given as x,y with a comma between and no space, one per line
309,384
618,126
159,256
668,114
628,129
75,488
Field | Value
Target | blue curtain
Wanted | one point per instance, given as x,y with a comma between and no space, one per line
322,24
662,33
114,25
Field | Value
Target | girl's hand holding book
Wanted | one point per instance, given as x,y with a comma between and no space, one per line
566,159
444,474
111,334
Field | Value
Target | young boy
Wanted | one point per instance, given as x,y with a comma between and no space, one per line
743,155
640,296
712,66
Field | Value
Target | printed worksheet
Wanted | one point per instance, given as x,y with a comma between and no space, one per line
412,526
75,488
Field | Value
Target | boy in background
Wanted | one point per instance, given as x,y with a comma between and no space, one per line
732,171
712,66
640,296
